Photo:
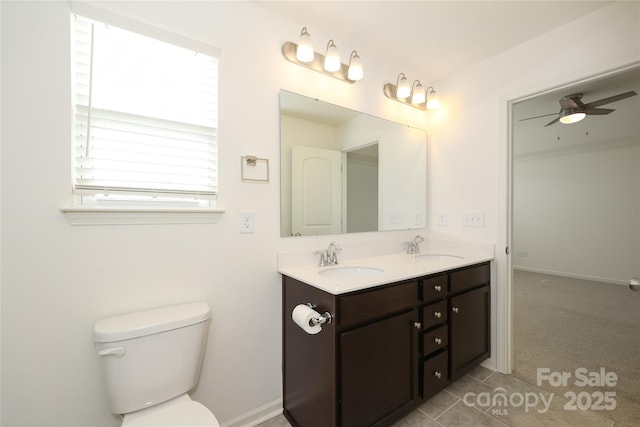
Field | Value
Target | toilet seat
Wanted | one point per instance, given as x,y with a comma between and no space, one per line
181,411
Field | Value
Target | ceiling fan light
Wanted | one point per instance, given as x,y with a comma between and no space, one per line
572,117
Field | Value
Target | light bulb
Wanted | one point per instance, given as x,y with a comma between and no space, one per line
304,52
433,103
355,72
418,93
332,58
403,90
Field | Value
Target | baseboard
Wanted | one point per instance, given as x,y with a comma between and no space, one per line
256,416
574,276
490,363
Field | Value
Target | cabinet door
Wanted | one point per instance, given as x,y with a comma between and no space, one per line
469,329
378,372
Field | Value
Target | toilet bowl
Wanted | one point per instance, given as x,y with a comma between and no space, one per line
150,360
180,411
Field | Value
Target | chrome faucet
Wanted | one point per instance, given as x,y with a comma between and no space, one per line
414,245
328,256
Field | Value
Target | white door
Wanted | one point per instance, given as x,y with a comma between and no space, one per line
316,183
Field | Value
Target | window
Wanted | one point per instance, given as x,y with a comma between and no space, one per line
145,120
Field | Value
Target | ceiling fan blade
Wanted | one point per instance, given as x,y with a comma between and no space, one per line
537,117
610,99
599,111
552,121
569,103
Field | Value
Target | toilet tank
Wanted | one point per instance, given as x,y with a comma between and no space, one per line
151,356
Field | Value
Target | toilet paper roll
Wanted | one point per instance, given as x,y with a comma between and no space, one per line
302,315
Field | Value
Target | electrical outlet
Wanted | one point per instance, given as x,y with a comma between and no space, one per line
247,220
473,219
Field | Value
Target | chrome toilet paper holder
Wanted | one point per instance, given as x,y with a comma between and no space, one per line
324,318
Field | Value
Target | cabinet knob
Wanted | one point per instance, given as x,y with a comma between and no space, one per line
437,288
455,309
417,325
438,340
437,314
437,374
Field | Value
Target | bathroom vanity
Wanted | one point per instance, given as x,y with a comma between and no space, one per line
389,346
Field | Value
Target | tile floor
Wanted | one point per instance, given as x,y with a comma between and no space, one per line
450,408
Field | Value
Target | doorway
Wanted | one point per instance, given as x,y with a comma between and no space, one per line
575,241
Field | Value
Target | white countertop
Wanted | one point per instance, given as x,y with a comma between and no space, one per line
396,267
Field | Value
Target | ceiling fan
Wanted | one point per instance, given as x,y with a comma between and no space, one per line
572,109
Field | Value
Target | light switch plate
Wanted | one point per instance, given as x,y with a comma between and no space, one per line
473,219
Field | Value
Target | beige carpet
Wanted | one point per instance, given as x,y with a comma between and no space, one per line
564,324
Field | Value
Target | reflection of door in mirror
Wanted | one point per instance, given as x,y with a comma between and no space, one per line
316,186
362,189
386,194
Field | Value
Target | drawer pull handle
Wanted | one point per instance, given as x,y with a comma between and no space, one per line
438,341
455,309
437,314
417,325
437,288
437,374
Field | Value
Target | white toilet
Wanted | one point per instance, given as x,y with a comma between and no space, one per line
150,360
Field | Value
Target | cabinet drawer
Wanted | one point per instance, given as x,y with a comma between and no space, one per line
371,304
470,278
435,374
434,288
435,340
434,314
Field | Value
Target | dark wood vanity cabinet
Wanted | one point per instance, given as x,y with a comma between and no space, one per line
469,319
387,349
378,370
456,324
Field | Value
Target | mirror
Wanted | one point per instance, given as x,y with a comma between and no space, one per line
343,171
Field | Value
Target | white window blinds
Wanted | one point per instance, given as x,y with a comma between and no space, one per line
145,115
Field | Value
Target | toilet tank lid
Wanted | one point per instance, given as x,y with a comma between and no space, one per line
147,322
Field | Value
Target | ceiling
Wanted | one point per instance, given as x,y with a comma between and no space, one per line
622,126
430,39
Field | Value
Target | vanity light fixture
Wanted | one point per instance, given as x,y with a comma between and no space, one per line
418,93
415,95
433,103
356,72
402,87
329,64
332,58
304,51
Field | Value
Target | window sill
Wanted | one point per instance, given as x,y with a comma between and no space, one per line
119,216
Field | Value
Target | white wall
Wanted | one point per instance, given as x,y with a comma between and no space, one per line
577,211
58,279
468,138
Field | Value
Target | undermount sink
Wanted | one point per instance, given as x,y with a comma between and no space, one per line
440,257
351,272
